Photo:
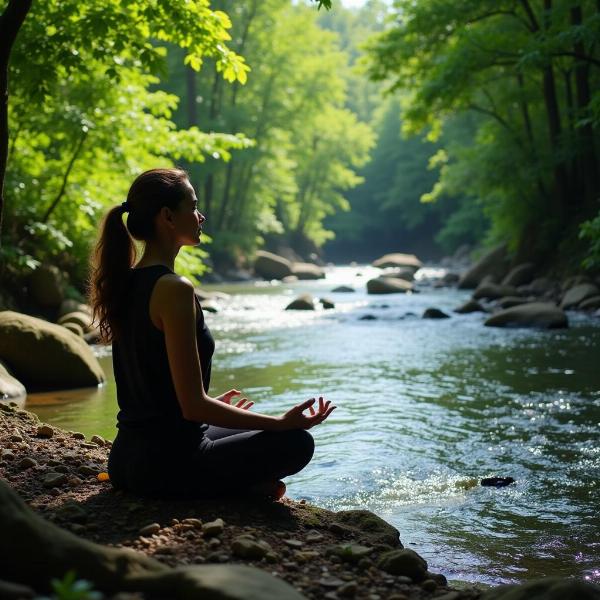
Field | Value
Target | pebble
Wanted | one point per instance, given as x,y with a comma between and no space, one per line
78,435
74,481
352,553
330,582
313,536
213,528
89,445
149,529
73,512
339,529
294,543
306,556
27,462
196,523
214,542
16,437
96,439
87,471
244,547
45,431
397,597
348,590
52,479
7,454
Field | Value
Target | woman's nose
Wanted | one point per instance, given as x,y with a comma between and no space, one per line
201,218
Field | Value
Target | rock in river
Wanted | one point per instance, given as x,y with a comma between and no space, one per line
550,588
388,285
303,302
533,314
493,264
404,562
578,294
398,260
271,266
469,306
435,313
46,355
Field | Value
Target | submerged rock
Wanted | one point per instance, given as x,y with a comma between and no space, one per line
533,314
435,313
343,289
303,302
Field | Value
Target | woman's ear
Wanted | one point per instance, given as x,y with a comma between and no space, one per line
166,215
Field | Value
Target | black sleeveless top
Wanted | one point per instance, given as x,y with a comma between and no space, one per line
145,390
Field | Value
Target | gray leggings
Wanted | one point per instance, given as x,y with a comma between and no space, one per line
154,462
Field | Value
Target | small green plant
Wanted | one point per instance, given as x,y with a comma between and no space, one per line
590,231
71,588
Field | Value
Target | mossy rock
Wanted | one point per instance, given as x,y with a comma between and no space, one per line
44,355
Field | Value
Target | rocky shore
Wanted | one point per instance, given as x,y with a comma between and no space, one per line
320,554
238,548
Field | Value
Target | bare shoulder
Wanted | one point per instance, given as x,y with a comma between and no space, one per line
174,285
172,298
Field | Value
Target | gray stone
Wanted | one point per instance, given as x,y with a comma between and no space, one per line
493,291
348,590
45,354
15,591
578,294
510,301
550,588
369,527
45,431
149,529
592,303
519,275
398,260
434,313
343,289
469,306
10,387
303,302
84,320
271,266
388,285
314,536
72,512
404,562
406,273
245,547
26,463
326,303
52,479
213,528
351,553
533,314
494,263
304,271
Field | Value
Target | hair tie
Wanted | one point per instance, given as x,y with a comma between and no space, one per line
125,206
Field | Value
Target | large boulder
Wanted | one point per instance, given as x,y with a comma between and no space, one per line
305,271
532,314
494,264
271,266
398,260
70,306
370,528
578,294
45,355
590,303
540,286
83,319
406,273
434,313
550,588
388,285
519,275
10,388
46,286
493,291
510,301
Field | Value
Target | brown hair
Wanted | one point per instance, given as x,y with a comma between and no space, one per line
115,251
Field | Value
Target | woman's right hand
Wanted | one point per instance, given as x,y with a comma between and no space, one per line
296,419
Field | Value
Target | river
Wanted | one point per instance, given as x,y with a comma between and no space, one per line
426,408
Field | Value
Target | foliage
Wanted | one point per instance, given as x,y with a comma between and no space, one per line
526,73
84,120
590,231
71,588
307,144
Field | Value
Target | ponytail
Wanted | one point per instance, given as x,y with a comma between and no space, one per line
113,257
115,252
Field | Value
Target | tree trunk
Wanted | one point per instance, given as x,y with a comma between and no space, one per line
589,175
10,22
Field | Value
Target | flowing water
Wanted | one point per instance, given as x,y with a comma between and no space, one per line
426,408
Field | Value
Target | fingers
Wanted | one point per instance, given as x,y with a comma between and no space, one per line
244,404
305,405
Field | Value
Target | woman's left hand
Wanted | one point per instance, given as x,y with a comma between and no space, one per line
227,397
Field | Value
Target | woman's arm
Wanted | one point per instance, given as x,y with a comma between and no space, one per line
173,305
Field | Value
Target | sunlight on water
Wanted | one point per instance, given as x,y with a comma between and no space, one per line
426,408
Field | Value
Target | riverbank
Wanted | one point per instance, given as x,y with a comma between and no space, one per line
320,553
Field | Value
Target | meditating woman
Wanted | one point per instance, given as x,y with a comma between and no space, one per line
174,439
